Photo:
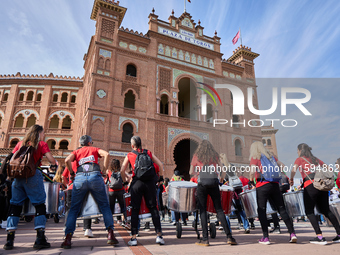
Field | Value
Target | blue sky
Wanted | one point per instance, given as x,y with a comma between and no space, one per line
295,39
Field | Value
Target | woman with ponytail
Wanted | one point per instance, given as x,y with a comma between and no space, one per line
307,163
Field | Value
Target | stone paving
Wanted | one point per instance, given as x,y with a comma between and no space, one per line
25,237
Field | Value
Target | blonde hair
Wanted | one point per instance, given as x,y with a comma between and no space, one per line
32,136
256,149
58,175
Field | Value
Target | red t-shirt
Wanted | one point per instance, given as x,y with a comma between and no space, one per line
39,153
132,159
66,174
244,180
303,164
108,178
194,179
86,154
257,162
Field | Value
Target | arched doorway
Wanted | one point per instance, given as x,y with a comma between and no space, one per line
183,152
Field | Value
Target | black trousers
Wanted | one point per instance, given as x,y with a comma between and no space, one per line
119,195
271,191
202,195
147,189
313,197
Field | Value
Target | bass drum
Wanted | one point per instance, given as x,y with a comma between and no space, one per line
144,211
182,196
226,200
250,204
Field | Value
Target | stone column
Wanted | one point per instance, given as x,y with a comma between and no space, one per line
158,104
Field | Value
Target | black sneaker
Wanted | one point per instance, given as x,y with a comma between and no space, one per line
276,230
336,239
231,240
252,226
317,240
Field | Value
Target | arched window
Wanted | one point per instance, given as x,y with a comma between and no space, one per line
238,148
64,97
264,142
21,97
129,100
235,120
30,96
63,145
55,98
127,133
39,97
269,142
0,120
131,70
101,63
51,144
67,121
19,121
54,123
31,121
5,97
73,99
164,104
107,64
13,143
210,113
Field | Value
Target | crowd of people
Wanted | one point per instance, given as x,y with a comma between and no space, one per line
140,175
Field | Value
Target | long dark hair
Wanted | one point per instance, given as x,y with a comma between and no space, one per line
32,136
206,153
115,165
305,151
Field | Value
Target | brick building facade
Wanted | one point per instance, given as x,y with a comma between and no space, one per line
148,85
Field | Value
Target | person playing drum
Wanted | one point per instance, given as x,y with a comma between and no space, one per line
266,190
206,155
311,196
33,188
142,187
88,179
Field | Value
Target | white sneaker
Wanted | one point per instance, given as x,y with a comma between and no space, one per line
160,240
88,233
132,242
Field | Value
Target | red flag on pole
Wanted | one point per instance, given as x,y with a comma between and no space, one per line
189,1
237,36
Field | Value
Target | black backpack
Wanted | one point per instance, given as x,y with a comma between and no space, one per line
144,168
208,176
284,184
115,181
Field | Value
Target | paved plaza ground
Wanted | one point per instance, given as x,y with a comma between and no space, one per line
25,237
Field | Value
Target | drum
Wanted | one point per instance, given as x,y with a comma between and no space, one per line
90,207
182,196
294,203
250,204
143,211
52,200
226,200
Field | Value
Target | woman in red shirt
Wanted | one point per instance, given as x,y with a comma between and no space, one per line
33,188
307,163
266,190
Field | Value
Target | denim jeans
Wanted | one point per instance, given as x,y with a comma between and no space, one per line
83,183
240,211
32,188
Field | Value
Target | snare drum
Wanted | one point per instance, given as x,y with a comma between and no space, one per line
182,196
250,204
144,211
295,205
52,200
226,200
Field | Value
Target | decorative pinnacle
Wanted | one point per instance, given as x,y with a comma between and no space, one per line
153,10
199,22
173,12
215,33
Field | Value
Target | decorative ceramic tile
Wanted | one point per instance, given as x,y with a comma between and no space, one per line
101,93
105,53
232,75
199,60
98,117
106,40
123,44
225,73
238,77
205,62
26,113
181,55
211,64
174,53
193,59
173,132
132,47
62,114
100,71
142,50
173,23
187,57
177,73
122,119
160,49
107,73
167,51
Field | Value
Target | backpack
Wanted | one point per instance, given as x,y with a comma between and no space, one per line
144,168
323,180
208,176
270,170
115,181
22,164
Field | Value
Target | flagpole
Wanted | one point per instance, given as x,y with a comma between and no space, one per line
240,35
185,6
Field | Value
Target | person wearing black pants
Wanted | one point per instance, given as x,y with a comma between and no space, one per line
311,196
140,188
204,158
266,190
